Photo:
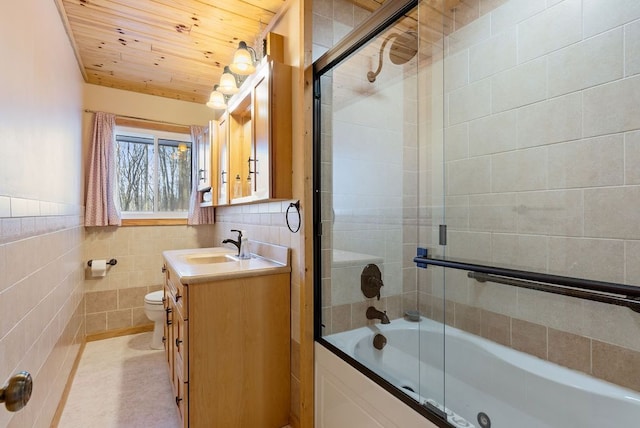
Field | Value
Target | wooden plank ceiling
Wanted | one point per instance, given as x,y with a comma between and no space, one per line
168,48
178,48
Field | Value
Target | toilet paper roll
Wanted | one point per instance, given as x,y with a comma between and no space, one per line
98,267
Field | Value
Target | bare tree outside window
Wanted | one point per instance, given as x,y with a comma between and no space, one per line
154,174
174,184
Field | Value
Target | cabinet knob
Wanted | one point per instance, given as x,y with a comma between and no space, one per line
178,342
178,296
178,400
164,269
164,339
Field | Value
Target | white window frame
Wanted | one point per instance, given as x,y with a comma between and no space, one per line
156,135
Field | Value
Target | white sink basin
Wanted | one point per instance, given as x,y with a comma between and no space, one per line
216,263
209,258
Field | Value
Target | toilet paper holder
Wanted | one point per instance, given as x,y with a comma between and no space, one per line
111,262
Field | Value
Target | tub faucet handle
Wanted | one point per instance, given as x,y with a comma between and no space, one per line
371,281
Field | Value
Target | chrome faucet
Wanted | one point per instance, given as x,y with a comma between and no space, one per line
373,313
236,243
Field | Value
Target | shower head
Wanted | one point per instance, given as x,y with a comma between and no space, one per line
403,48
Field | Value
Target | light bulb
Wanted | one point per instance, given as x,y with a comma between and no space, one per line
216,100
227,82
242,61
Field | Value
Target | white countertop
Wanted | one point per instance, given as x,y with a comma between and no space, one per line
267,259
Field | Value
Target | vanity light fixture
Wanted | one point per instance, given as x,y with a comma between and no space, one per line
244,60
228,84
217,100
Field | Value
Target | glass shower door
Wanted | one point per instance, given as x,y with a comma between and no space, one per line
375,305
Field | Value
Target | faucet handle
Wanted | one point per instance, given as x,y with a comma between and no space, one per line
239,233
371,281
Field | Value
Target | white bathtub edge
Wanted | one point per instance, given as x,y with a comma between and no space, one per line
345,397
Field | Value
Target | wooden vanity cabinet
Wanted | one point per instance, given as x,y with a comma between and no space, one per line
228,348
176,329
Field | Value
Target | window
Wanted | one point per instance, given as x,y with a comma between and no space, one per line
153,173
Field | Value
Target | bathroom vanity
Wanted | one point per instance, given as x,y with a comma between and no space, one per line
227,336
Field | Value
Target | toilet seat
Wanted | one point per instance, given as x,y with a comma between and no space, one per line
154,298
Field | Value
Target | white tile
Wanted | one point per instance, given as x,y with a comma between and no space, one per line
587,163
555,28
519,171
5,206
470,34
632,48
513,12
591,62
493,212
632,267
613,107
612,212
558,212
493,134
456,142
597,259
551,121
603,15
469,176
456,70
519,86
469,246
19,207
470,102
493,55
457,211
520,251
632,158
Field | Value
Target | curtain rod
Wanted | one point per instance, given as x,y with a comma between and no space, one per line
141,118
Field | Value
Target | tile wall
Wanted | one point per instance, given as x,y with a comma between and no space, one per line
116,301
541,131
41,233
40,301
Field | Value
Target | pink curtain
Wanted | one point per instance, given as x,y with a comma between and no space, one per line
197,214
102,207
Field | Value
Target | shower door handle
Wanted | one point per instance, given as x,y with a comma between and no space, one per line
17,392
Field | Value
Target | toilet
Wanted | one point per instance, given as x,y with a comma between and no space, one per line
154,309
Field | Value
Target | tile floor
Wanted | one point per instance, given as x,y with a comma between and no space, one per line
120,383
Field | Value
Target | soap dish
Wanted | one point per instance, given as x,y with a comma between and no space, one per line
412,316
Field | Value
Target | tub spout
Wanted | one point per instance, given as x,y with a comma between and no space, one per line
373,313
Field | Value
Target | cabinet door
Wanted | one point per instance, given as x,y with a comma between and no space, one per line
261,136
203,144
223,161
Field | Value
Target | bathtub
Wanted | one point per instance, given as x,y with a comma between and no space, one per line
486,384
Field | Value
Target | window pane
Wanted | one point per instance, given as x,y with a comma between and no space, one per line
135,173
174,175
